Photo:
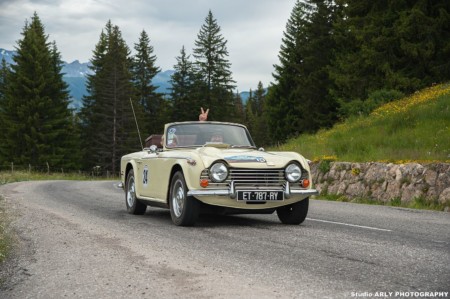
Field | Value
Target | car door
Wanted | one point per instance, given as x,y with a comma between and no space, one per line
144,174
154,172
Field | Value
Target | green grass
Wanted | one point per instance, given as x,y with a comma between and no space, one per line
416,128
413,129
417,203
5,236
20,176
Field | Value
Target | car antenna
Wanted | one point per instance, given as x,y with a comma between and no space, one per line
137,126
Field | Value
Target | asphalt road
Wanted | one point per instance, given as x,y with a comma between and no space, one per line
75,240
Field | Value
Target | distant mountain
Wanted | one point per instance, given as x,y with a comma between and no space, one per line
244,96
75,75
76,69
162,80
7,55
77,89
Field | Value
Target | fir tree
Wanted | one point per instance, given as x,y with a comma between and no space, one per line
108,124
299,101
283,107
318,107
184,90
238,113
63,116
38,119
144,70
213,68
394,45
250,107
4,72
259,99
256,116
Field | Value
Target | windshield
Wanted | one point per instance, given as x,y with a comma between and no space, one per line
200,134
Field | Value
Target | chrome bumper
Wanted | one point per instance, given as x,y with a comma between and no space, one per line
231,192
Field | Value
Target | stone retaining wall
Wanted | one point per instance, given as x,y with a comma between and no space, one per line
384,182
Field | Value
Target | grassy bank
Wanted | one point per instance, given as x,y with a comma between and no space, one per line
20,176
417,203
416,128
5,239
413,129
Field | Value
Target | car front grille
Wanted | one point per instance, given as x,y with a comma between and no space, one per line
257,177
251,178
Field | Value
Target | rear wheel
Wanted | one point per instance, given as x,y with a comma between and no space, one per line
184,209
134,206
294,213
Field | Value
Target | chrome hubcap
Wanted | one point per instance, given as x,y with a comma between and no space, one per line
131,193
178,198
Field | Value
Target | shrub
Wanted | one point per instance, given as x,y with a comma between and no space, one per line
363,108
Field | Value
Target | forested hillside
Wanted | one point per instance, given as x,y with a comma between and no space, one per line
415,128
337,60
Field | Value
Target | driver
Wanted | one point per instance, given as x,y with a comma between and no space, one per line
217,137
173,140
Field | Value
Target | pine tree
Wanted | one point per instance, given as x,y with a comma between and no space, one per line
90,115
299,101
423,33
259,99
283,109
213,67
108,124
63,124
261,132
318,107
394,45
185,89
38,119
4,72
256,116
144,70
238,113
250,107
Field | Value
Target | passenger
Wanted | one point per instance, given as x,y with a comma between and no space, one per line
217,137
172,141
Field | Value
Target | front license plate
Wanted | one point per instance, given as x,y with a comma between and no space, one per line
259,195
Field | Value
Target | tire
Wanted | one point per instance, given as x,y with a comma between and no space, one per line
184,209
134,206
295,213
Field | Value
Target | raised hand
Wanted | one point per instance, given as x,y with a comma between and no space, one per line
203,115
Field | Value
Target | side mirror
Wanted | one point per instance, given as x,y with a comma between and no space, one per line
153,149
261,149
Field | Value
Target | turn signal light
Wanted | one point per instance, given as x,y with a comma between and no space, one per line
305,183
204,183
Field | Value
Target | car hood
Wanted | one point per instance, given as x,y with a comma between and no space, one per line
248,158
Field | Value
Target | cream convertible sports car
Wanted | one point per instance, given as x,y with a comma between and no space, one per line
214,166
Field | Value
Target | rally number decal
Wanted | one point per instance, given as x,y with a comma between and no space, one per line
145,176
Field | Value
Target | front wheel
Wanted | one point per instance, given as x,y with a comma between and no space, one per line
294,213
184,209
134,206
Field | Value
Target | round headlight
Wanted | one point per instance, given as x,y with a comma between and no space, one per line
218,172
293,173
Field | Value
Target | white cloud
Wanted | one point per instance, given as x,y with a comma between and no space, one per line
253,28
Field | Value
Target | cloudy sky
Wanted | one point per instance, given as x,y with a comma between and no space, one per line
253,28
